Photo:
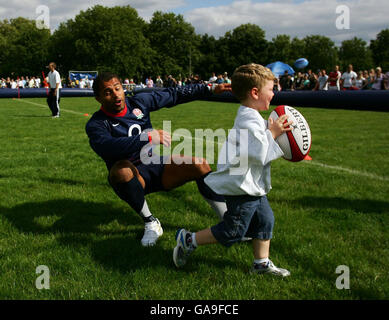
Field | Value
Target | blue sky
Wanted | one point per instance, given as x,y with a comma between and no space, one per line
297,18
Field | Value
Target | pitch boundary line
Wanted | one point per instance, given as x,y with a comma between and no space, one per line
323,165
47,107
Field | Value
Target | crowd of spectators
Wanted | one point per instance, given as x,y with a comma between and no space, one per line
21,82
374,79
170,81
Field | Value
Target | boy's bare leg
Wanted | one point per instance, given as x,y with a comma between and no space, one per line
261,248
205,237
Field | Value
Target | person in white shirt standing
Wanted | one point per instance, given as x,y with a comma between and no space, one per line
348,78
55,90
243,174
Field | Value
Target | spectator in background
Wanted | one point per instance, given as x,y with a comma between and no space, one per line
82,83
8,83
333,79
365,79
20,83
149,83
31,83
360,80
225,78
306,82
386,81
312,80
159,82
378,83
54,96
322,83
348,78
213,78
276,86
298,81
14,84
219,79
286,82
37,82
171,82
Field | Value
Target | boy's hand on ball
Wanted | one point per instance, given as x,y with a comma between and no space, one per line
279,126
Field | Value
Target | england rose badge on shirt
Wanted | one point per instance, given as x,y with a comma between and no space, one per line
138,113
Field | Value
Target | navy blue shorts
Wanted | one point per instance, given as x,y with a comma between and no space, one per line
151,174
246,216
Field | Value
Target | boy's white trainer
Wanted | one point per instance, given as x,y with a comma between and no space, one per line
183,248
270,268
153,230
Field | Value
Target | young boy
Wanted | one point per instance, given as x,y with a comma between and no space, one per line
244,186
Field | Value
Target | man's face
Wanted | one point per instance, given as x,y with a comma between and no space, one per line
112,96
51,67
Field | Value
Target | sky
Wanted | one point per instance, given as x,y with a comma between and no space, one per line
337,19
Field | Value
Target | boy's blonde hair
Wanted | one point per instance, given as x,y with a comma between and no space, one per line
249,76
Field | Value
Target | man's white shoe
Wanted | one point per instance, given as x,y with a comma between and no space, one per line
153,230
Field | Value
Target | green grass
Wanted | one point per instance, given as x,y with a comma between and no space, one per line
56,209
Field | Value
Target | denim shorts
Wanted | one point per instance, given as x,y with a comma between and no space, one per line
246,216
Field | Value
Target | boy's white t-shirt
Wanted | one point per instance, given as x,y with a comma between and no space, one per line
245,158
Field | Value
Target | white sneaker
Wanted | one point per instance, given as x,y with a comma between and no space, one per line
153,230
270,268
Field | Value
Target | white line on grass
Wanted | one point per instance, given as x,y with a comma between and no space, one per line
45,106
323,165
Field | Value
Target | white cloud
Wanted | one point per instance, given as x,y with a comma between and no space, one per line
295,18
367,18
60,11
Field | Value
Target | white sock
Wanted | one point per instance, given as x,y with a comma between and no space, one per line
219,207
145,213
194,242
263,261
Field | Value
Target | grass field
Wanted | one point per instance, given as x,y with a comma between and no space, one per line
57,210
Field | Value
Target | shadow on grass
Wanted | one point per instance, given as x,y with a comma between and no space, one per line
71,216
79,224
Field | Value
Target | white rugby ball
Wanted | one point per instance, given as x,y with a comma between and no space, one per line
295,144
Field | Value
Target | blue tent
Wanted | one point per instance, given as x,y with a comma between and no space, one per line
279,68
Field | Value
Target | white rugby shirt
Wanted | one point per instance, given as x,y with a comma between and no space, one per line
245,157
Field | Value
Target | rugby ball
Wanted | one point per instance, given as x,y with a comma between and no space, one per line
301,63
295,144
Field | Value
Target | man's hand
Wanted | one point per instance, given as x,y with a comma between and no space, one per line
279,126
223,87
160,137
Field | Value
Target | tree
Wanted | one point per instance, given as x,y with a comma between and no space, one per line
245,44
380,49
280,49
355,52
23,47
175,43
209,57
102,38
321,52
